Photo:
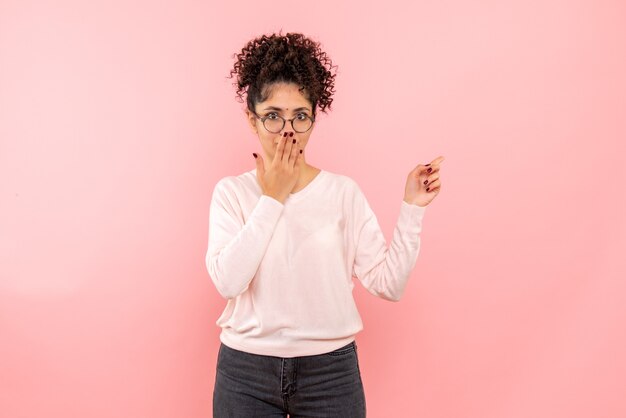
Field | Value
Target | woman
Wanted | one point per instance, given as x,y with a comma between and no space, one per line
285,240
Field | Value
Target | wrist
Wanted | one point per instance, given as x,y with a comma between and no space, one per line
414,202
281,199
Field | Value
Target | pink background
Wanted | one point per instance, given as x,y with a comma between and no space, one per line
117,119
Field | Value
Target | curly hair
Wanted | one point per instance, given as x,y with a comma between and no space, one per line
290,58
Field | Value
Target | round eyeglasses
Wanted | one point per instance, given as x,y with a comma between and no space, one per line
275,123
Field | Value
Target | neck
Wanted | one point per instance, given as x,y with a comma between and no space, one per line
307,174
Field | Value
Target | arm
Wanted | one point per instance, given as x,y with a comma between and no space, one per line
235,249
384,271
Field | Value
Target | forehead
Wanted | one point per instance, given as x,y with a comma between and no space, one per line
285,97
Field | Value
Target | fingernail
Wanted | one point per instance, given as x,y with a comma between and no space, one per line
428,189
290,133
425,181
427,165
294,141
430,169
285,134
254,154
300,151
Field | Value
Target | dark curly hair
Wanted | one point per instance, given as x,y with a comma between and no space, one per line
290,58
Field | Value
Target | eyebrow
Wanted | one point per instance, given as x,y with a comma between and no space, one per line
278,108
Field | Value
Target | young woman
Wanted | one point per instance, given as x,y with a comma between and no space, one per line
285,241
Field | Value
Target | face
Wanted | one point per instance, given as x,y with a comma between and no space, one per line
283,101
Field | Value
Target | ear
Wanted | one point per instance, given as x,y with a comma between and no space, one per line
252,121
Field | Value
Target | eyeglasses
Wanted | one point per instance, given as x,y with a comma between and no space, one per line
275,123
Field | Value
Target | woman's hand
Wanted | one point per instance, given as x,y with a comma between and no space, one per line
283,172
423,183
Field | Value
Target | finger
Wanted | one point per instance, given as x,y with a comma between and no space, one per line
430,180
433,187
299,160
279,150
434,184
421,169
432,168
288,149
279,136
437,160
294,153
299,157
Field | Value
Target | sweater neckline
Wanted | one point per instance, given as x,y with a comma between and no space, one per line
300,194
307,189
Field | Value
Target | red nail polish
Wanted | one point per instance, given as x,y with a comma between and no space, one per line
294,141
290,133
430,169
285,134
425,181
254,154
300,151
428,189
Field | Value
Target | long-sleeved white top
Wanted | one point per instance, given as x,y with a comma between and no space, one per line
286,269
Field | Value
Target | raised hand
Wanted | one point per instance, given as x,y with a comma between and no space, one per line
423,183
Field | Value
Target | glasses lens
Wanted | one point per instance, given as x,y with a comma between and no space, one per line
302,123
273,124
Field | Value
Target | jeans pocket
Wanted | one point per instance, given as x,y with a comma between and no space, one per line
341,351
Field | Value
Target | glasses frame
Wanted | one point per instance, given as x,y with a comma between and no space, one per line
285,121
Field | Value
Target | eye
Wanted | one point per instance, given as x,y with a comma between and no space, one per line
304,116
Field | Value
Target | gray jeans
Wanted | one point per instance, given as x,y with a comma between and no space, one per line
323,385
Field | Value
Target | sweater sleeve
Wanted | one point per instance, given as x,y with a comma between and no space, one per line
384,271
236,249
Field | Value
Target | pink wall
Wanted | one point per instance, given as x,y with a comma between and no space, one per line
117,119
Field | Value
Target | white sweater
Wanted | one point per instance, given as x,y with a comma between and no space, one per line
286,269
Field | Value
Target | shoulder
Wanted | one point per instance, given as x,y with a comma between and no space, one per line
345,186
341,180
349,185
236,184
